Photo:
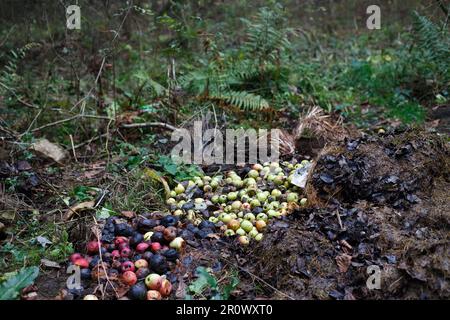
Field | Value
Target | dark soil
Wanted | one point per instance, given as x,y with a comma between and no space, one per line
381,201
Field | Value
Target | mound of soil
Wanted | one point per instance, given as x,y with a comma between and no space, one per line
387,207
394,169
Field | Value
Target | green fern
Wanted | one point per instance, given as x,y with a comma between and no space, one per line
9,77
258,65
243,100
433,44
267,39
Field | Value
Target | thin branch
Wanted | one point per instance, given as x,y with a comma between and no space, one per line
149,124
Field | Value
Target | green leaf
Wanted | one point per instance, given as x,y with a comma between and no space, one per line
10,289
204,280
230,287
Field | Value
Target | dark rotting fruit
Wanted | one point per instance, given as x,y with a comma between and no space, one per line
137,257
145,225
92,247
157,237
170,233
107,257
113,272
141,273
171,255
147,255
85,273
158,264
169,221
136,239
207,224
123,229
138,292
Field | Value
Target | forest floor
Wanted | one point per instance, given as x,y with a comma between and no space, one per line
375,200
85,137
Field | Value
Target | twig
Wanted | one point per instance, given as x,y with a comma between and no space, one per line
90,140
339,219
73,148
70,119
148,124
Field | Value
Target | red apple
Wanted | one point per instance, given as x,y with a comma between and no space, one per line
153,295
129,277
166,288
125,252
115,254
155,246
142,247
82,263
119,240
74,257
92,247
127,266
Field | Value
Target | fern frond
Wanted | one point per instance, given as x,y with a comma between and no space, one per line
432,39
243,100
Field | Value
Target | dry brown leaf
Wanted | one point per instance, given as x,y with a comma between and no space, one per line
50,264
92,173
49,150
78,207
343,261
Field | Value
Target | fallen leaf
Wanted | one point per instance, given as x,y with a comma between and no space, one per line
92,173
43,241
50,264
152,174
8,215
49,150
181,290
23,165
343,261
78,207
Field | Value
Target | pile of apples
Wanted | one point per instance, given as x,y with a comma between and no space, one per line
241,204
139,256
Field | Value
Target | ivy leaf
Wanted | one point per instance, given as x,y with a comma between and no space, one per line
10,289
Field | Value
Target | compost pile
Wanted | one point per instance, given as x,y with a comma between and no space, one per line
380,201
372,201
